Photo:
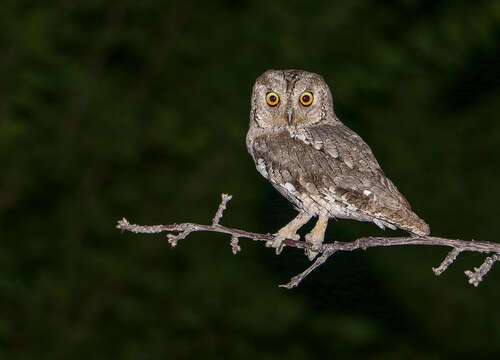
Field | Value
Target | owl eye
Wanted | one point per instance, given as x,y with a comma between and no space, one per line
272,98
306,98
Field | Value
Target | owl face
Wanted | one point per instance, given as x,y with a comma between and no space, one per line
290,98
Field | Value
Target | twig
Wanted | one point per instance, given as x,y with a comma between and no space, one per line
328,249
222,207
320,260
448,260
173,239
235,246
476,276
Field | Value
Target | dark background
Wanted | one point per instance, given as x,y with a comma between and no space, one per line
140,109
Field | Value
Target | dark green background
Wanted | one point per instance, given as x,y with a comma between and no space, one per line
140,109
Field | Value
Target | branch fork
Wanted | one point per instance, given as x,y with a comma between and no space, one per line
177,232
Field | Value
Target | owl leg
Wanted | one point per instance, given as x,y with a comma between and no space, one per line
288,231
316,236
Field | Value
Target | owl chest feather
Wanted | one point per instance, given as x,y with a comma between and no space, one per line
310,178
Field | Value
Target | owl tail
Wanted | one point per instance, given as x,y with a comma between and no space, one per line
416,225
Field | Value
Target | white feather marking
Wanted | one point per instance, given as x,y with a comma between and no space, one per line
349,163
383,224
261,167
328,197
390,226
301,137
318,145
379,223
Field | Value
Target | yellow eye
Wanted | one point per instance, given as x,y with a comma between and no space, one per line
306,98
272,98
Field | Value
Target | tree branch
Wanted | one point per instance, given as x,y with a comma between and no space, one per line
328,249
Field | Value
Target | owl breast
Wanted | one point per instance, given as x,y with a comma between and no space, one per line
304,175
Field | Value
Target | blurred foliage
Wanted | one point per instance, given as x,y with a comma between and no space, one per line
140,109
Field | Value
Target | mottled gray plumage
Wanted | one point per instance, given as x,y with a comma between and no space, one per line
324,168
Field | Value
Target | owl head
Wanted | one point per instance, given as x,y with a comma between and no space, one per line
290,98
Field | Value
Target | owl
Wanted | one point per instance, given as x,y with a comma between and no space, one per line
320,165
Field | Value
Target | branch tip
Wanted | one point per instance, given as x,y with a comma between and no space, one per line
122,224
173,239
476,276
235,246
448,260
222,207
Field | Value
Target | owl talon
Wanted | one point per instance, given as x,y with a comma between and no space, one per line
315,246
279,238
283,235
289,231
276,242
315,242
280,248
311,254
315,237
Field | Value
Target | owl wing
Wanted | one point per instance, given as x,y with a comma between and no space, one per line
331,166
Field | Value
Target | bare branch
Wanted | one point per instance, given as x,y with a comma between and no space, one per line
222,207
173,239
328,249
476,276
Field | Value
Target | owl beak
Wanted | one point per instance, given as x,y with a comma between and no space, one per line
289,116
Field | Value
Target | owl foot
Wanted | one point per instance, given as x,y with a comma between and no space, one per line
316,236
288,231
315,243
279,237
